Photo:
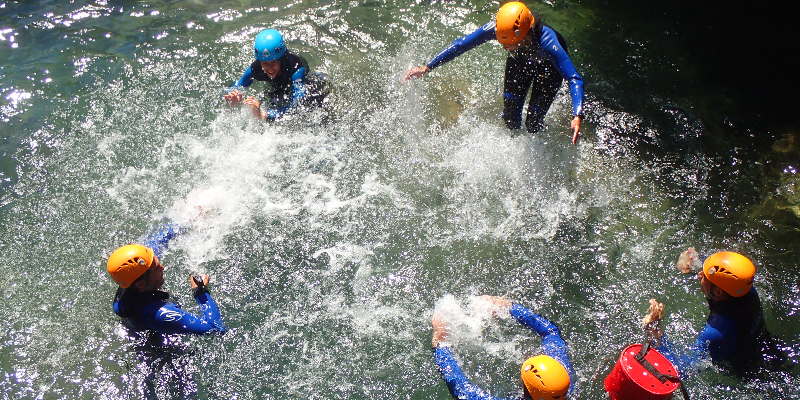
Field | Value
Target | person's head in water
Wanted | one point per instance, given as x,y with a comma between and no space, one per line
513,24
725,275
136,266
544,378
269,49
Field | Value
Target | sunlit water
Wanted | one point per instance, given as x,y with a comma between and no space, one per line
332,236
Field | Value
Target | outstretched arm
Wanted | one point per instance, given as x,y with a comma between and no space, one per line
459,385
169,318
699,351
159,239
456,48
246,79
549,42
552,343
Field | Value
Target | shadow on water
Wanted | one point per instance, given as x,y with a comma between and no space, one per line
720,99
164,367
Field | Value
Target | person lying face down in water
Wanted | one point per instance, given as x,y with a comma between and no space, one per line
291,83
537,60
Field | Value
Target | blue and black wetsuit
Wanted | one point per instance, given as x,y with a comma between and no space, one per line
294,86
552,345
734,336
541,65
155,311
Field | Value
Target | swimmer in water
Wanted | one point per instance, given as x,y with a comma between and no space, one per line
735,335
291,83
546,376
138,271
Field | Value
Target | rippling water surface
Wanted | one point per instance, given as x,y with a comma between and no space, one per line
331,237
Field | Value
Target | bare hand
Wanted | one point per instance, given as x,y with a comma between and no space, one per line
654,312
255,106
650,322
234,97
206,279
576,128
416,72
501,302
687,260
439,329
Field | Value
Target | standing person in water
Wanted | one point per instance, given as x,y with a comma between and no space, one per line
292,83
537,60
735,335
138,271
545,376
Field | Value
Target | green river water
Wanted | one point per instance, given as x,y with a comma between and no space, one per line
331,238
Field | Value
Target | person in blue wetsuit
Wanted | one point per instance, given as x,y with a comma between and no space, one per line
292,83
137,270
735,335
538,59
545,376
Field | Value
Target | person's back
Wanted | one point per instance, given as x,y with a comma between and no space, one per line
744,333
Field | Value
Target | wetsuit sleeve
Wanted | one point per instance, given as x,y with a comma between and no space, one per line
169,318
549,42
299,92
699,351
463,44
460,387
552,343
246,79
158,240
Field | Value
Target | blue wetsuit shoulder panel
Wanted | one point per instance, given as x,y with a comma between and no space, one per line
463,44
169,318
552,343
549,43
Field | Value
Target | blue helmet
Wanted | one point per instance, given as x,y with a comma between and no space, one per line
269,45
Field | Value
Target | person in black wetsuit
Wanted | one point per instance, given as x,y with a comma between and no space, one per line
137,270
292,84
735,335
538,60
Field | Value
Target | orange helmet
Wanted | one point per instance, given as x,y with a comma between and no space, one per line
731,272
128,263
514,20
545,378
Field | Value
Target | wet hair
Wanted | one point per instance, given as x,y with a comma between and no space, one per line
536,30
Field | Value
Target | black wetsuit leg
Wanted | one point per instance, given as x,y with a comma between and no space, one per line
516,82
546,82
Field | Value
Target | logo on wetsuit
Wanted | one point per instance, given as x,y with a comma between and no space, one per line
170,316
